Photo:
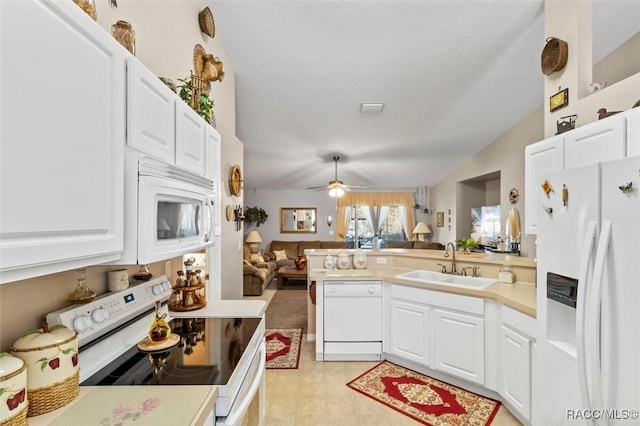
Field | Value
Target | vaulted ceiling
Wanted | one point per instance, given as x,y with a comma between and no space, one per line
453,76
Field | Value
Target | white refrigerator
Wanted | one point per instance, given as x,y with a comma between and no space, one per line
588,296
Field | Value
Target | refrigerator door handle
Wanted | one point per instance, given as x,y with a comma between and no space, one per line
585,261
592,321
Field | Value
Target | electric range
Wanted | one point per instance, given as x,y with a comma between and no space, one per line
226,351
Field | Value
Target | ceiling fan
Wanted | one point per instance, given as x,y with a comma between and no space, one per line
336,187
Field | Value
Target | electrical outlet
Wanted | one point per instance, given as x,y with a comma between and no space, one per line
382,261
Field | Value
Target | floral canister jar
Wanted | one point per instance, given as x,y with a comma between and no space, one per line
343,261
359,260
13,390
51,357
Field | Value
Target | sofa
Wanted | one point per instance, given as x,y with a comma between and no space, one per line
293,249
257,272
415,245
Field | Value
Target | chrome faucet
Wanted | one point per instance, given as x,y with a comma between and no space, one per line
453,259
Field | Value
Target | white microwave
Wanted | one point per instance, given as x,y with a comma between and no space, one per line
168,211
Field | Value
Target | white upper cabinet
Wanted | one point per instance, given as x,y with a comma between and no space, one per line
541,159
595,142
61,139
212,171
633,132
190,139
150,113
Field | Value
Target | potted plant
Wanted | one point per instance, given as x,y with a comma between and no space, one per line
255,214
205,104
466,245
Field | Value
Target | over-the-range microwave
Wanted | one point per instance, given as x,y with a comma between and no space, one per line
168,211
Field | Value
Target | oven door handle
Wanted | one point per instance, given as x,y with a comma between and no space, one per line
239,409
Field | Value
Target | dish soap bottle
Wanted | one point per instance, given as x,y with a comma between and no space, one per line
160,330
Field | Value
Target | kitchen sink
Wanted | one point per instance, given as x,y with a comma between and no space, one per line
446,279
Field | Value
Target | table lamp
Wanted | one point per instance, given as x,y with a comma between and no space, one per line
421,229
253,240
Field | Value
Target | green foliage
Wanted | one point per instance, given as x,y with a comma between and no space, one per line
255,214
206,103
466,244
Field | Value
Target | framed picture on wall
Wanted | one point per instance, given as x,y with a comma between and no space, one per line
440,219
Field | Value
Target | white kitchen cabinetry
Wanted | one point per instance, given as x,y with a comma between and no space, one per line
633,132
150,113
540,159
515,370
459,344
212,169
439,330
517,340
410,331
62,140
595,142
162,125
190,139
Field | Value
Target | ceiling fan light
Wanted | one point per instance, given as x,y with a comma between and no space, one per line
332,192
339,192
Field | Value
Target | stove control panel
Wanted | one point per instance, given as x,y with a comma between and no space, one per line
108,311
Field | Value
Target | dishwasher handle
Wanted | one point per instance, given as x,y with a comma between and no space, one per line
347,289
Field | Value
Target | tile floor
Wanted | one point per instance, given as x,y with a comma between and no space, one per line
316,394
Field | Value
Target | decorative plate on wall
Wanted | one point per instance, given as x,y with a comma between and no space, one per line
235,180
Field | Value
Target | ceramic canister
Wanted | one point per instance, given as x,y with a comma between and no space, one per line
328,262
359,260
343,261
51,357
13,389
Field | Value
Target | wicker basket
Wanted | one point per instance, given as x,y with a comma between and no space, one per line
49,398
205,18
554,55
20,419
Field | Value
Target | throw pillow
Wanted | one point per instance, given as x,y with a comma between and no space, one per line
246,262
256,258
280,254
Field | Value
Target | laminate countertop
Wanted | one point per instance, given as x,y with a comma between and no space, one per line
519,295
113,405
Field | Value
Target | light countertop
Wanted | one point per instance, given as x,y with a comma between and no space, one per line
519,295
111,405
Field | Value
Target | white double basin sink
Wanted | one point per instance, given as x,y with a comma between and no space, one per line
432,277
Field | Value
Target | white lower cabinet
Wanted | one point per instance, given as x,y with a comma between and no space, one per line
515,370
459,344
410,334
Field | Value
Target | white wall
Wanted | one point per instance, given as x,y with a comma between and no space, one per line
272,200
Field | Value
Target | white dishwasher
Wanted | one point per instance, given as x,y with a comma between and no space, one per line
352,320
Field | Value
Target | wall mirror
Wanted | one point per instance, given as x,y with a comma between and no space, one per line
298,220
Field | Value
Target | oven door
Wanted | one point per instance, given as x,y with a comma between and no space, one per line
174,217
249,406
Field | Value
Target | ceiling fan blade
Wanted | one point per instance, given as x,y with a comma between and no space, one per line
354,186
318,187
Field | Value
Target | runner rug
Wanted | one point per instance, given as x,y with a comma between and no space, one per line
423,398
283,347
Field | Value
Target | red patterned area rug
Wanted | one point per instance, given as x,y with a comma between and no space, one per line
425,399
283,347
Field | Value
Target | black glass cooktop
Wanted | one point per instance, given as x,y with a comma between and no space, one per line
207,353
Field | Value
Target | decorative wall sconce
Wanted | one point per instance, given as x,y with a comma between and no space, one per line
329,220
238,217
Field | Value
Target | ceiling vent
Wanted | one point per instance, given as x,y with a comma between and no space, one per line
371,107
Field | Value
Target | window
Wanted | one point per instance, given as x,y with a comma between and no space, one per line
361,230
